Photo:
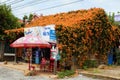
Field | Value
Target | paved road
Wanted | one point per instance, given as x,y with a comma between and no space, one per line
10,74
80,77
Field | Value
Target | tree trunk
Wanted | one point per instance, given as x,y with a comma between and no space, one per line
1,50
73,67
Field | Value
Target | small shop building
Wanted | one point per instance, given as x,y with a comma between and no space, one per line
35,27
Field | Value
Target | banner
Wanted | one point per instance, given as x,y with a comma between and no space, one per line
47,33
35,31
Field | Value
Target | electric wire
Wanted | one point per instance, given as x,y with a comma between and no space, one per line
4,1
29,4
32,3
14,2
51,7
10,3
24,4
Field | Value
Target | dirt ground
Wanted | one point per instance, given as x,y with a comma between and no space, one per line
12,71
106,71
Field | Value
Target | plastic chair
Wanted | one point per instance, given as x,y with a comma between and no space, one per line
43,64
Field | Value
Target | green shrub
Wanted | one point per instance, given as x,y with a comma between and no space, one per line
89,64
65,73
85,67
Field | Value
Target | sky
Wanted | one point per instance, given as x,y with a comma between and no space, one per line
49,7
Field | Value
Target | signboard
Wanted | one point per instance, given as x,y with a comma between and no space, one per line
47,33
36,31
52,35
117,18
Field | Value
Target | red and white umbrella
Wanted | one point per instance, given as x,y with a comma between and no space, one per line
29,42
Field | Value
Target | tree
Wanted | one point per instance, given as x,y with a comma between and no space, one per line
27,19
7,21
30,17
111,18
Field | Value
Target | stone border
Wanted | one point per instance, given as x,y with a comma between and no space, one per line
104,77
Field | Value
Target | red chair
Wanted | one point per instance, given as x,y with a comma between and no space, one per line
43,64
